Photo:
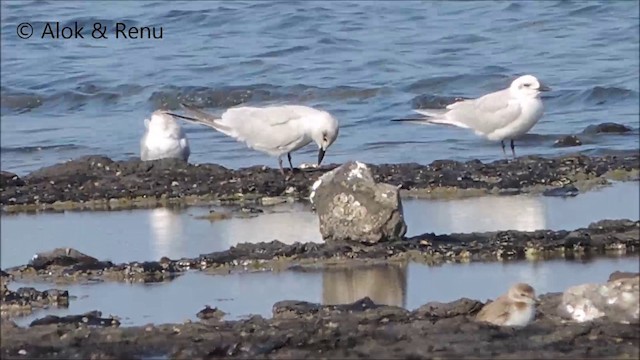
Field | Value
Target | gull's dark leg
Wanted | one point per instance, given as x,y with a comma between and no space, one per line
503,148
290,164
280,164
513,149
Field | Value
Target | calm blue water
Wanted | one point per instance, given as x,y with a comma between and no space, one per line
367,62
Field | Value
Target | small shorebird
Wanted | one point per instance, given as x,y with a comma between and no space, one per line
163,138
501,115
516,308
275,130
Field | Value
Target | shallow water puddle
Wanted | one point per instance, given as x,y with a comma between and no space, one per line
523,212
255,293
145,235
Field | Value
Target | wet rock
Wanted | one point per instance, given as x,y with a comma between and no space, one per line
25,299
459,307
97,182
567,141
215,216
618,300
608,127
251,210
210,313
565,191
92,318
548,306
69,265
4,275
622,275
353,207
8,179
292,309
62,257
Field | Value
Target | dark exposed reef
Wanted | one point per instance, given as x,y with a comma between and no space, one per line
603,238
97,182
302,330
25,299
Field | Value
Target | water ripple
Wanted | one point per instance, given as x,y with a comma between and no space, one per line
367,62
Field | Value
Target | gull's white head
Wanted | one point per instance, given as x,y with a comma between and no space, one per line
527,86
161,122
522,293
324,131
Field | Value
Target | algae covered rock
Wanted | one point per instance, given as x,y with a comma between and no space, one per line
352,206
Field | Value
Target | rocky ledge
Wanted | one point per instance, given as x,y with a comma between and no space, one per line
603,238
300,330
97,182
25,299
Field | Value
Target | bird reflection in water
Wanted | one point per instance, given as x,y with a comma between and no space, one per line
167,238
382,284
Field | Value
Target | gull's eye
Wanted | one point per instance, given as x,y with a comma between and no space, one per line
527,85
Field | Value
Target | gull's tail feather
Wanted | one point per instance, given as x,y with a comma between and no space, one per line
431,112
413,121
438,116
202,118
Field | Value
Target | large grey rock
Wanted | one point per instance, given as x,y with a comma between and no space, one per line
61,257
353,207
618,300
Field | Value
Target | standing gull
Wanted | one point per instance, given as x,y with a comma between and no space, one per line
275,130
163,138
505,114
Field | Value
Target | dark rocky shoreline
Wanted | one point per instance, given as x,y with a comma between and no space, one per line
301,330
603,238
25,299
97,182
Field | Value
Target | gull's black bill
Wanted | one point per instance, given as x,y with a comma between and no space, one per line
320,155
544,88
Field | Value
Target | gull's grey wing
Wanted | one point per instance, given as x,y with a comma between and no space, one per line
273,130
487,113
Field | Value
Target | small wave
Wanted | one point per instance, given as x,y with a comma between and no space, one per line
32,149
597,95
440,83
83,94
171,96
463,39
585,11
513,7
174,14
87,22
186,16
386,144
36,131
600,95
283,52
289,21
19,102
